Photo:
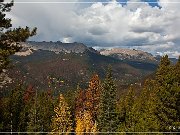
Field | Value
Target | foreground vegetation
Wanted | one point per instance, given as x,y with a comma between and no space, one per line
96,109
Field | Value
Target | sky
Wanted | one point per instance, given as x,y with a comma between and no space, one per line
149,25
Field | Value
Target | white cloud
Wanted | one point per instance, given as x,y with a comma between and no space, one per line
106,25
66,40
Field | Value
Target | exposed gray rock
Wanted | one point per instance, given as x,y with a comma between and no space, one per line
4,79
128,54
58,47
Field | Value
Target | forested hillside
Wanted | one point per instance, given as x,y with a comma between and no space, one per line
66,70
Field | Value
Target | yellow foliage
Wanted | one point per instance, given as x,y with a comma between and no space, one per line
62,122
85,124
79,126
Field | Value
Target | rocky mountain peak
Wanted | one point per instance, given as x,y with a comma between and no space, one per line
128,54
57,47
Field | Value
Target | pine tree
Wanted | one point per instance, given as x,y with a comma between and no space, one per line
163,69
28,99
33,115
62,122
126,112
40,113
10,38
5,115
107,118
144,110
13,106
176,86
177,70
46,111
167,91
1,114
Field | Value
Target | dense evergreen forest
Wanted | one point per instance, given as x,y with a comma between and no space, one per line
93,110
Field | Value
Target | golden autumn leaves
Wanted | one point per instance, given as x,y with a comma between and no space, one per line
86,108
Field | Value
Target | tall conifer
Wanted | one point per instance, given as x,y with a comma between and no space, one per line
167,91
10,38
107,118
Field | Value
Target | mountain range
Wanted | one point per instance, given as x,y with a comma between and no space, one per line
61,66
118,53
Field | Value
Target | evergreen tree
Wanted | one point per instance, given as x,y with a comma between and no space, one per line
144,110
46,111
126,112
177,71
33,115
10,38
167,91
40,113
176,86
163,69
28,99
107,118
62,122
1,114
12,108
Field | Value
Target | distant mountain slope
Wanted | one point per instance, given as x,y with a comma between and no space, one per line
68,68
129,54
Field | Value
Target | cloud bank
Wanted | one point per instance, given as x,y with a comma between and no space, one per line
134,25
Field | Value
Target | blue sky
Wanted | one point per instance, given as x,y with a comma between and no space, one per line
152,27
151,2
